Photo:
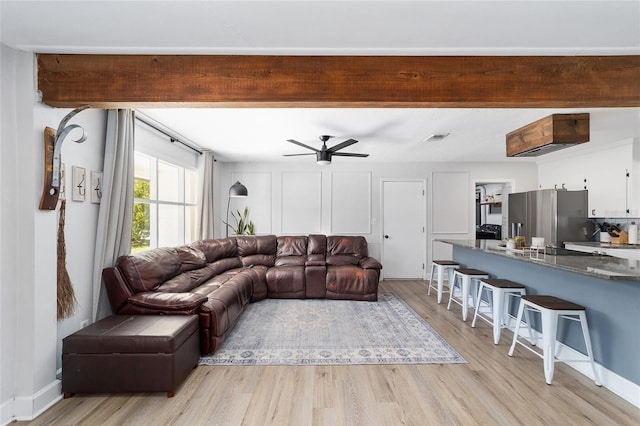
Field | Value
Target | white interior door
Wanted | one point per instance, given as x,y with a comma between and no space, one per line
404,234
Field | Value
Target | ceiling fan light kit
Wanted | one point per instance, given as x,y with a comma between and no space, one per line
324,155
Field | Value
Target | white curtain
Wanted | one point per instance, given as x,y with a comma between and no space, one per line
116,207
205,200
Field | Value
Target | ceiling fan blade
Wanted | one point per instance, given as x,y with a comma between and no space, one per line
301,144
295,155
349,154
344,144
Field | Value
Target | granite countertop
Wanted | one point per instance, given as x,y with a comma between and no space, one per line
604,267
597,244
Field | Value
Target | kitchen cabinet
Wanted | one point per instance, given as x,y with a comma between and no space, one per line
607,191
604,174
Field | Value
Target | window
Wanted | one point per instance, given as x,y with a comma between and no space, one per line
165,193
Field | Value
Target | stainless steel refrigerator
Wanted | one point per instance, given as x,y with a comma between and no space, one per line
558,215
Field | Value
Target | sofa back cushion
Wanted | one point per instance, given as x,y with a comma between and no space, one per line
346,250
257,250
316,247
292,250
192,258
216,249
146,270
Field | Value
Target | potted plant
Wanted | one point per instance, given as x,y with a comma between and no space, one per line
242,226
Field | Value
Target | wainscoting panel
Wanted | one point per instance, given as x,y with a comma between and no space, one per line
450,203
301,202
351,203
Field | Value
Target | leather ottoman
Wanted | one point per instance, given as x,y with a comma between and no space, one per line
130,353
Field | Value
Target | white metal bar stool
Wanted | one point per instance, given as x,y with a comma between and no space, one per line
551,308
464,278
502,292
440,266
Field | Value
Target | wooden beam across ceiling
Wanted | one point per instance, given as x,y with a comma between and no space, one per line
110,81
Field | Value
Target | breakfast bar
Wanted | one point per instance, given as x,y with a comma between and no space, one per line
608,287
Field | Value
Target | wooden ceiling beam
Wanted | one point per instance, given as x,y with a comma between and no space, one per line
112,81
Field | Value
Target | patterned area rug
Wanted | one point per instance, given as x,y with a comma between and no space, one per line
325,332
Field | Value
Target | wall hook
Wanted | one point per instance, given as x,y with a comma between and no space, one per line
52,146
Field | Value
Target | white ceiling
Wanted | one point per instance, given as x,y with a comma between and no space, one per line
342,28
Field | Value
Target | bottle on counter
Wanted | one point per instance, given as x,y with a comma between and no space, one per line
633,233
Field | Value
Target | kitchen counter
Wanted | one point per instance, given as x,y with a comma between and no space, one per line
625,251
597,244
608,287
603,267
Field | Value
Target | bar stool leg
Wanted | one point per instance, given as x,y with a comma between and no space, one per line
498,314
549,332
587,342
440,283
433,267
517,329
478,302
450,274
452,287
466,283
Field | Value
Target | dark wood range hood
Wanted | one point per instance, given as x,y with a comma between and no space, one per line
548,134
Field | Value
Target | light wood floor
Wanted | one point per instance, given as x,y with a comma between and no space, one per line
491,389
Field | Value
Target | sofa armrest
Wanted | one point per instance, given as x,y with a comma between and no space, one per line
315,263
118,289
369,263
167,302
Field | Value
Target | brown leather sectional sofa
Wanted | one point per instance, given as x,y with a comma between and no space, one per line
215,279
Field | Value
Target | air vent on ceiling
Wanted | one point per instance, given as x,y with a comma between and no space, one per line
436,137
548,134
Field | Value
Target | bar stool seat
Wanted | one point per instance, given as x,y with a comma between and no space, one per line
502,292
464,278
551,309
440,266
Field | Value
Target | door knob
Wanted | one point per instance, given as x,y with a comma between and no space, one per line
386,236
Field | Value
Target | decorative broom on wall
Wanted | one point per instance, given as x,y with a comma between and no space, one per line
66,296
53,189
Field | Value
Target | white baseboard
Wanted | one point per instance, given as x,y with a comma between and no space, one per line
27,408
617,384
6,412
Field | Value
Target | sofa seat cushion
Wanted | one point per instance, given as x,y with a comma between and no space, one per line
286,282
239,278
146,270
258,274
223,308
351,280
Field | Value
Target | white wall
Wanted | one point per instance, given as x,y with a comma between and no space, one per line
264,182
10,61
81,218
29,331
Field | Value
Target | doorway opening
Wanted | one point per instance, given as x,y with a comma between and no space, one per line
491,207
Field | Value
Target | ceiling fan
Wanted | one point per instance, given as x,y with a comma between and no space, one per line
323,155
